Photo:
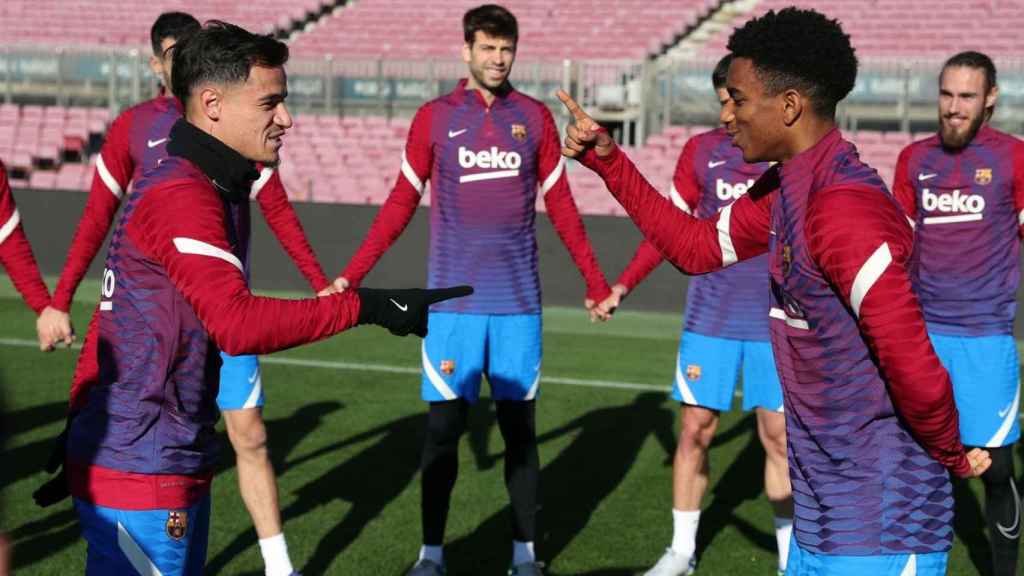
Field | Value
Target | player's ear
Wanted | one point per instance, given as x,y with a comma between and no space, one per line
157,67
212,101
991,97
792,103
467,53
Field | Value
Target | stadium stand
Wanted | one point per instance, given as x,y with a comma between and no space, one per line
127,22
354,159
571,28
911,28
334,159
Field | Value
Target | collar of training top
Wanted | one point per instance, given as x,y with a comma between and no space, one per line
231,173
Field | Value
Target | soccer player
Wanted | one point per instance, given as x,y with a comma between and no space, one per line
725,329
871,425
136,142
486,149
964,187
142,449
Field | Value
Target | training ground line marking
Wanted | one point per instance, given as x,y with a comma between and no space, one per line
390,369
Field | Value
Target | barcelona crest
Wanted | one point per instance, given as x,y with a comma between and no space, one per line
519,132
177,524
448,367
983,176
693,372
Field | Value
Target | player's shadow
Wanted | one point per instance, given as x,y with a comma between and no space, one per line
392,461
742,481
969,525
284,434
28,459
601,454
25,419
38,540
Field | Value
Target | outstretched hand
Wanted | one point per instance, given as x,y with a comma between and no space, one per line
404,311
584,133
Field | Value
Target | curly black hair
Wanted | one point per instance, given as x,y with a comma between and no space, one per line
801,49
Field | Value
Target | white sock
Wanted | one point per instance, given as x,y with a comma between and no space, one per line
275,556
783,532
433,553
522,552
684,531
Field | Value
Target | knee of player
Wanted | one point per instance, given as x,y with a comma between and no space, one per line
696,433
445,428
773,438
248,436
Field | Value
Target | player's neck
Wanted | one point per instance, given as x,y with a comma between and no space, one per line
807,136
487,94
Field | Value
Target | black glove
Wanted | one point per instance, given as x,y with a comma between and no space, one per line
403,311
56,489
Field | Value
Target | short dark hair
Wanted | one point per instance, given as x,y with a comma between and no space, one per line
175,25
721,71
223,53
491,19
802,49
976,60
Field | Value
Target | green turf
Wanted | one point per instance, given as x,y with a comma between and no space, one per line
346,446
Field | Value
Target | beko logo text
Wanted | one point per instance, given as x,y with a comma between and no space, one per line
726,191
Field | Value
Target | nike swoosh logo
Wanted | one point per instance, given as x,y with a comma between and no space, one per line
716,164
923,177
1002,413
1012,532
453,134
404,308
255,376
155,143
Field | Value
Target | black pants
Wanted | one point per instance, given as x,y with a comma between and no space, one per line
446,422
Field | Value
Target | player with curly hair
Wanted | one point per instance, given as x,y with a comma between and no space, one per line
871,425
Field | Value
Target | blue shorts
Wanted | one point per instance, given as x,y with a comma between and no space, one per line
986,386
708,367
125,542
459,348
802,562
240,383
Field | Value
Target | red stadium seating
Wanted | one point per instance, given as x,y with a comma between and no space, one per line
350,160
914,27
548,30
127,22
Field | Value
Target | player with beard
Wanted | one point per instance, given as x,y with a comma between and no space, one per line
963,190
487,150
